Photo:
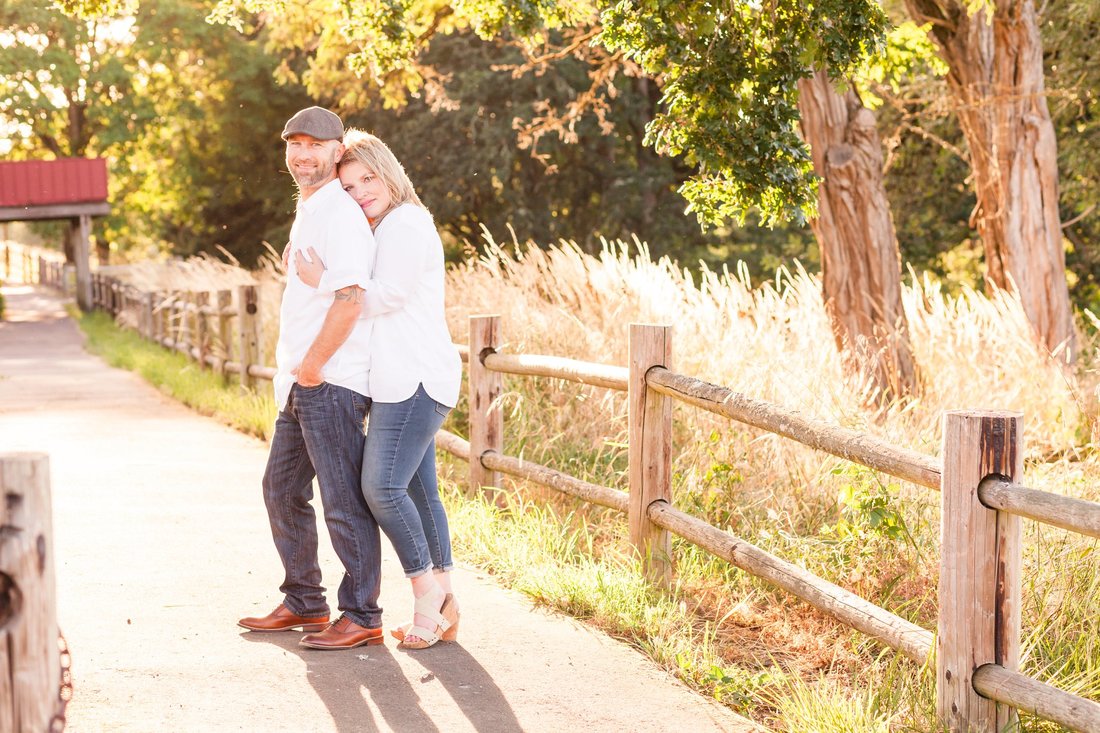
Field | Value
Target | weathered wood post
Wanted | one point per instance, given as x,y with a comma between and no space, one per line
30,664
225,328
979,569
160,319
187,335
171,323
486,412
80,230
248,325
148,327
650,452
202,336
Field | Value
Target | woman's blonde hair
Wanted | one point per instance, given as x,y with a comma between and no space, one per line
365,148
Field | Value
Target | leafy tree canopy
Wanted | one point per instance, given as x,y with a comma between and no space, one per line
727,73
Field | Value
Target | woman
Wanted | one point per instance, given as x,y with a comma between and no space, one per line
415,373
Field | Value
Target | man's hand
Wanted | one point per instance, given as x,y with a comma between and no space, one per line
339,322
308,376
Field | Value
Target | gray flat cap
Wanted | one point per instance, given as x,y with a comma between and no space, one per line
316,122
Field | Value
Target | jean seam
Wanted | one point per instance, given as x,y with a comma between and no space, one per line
431,518
287,509
391,498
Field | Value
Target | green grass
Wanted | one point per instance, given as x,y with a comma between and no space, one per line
179,377
553,558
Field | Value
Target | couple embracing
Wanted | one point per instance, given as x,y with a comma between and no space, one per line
362,339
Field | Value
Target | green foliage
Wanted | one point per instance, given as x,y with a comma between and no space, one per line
729,91
727,75
186,113
869,516
1069,31
65,86
207,171
739,688
608,186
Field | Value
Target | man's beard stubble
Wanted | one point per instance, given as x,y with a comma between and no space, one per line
311,179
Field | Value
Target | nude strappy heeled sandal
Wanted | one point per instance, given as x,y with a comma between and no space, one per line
445,619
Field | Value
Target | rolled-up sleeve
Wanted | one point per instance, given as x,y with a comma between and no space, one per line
347,251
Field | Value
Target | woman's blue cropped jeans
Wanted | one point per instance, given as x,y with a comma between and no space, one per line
399,481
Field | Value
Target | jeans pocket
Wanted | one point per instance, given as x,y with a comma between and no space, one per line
312,389
441,410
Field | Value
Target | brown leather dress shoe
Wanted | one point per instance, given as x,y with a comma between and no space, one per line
343,633
283,619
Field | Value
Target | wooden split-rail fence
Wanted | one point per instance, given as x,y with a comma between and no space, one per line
977,641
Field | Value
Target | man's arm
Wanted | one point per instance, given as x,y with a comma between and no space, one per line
339,322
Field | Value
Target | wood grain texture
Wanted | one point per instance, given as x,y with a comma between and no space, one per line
486,413
1039,698
1066,512
248,332
979,594
650,451
556,367
30,664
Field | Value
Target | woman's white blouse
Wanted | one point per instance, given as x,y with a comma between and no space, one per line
410,344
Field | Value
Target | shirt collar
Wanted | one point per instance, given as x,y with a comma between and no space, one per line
321,195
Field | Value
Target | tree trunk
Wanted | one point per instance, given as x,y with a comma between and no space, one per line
996,81
860,265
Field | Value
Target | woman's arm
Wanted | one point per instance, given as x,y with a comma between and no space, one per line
403,247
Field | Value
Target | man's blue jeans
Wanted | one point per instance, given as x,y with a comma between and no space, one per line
320,433
399,481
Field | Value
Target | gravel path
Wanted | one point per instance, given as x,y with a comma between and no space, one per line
162,543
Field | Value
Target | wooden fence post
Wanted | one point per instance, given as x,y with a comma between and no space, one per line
202,337
187,334
30,663
148,329
979,569
486,413
160,319
225,330
650,452
248,324
171,326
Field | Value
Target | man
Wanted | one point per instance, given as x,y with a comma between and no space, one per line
320,385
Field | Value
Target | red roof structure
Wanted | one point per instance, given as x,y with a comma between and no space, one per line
53,189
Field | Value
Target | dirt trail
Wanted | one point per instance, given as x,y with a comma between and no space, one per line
161,543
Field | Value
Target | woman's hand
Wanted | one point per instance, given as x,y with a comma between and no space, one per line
309,271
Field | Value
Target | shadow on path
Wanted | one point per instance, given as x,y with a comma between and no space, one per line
342,678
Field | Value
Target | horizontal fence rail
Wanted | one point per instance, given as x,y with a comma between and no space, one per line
842,442
1046,701
1066,512
977,644
599,375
